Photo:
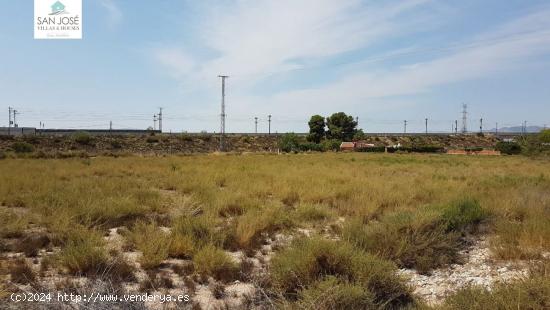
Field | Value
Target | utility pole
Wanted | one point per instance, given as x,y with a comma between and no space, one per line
110,125
496,129
464,118
9,123
456,126
405,126
269,126
426,126
256,124
14,118
155,122
160,120
481,125
222,115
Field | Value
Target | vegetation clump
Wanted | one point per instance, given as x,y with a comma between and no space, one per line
214,262
311,264
22,147
508,148
422,239
82,137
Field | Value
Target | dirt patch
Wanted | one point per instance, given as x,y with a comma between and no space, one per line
479,269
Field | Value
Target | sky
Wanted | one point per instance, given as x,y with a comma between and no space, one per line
381,61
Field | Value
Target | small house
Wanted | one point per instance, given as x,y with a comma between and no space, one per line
347,146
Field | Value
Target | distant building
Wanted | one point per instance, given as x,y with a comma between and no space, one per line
347,146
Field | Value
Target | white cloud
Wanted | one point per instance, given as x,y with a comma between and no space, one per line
254,39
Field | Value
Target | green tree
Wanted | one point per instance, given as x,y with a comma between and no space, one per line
544,136
316,128
341,126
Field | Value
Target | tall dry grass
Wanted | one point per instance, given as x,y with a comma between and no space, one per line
233,202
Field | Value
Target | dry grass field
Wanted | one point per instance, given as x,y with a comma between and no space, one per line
293,227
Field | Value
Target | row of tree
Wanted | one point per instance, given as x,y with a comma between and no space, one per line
338,126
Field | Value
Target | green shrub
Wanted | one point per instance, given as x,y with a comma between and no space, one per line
22,147
508,148
212,261
152,139
310,146
374,149
544,136
82,137
311,260
331,145
462,214
289,142
2,155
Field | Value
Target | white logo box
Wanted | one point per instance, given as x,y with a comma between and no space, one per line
57,20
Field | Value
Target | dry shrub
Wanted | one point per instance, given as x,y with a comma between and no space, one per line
31,244
200,229
214,262
21,272
152,242
532,293
253,224
181,246
423,239
333,293
291,199
310,260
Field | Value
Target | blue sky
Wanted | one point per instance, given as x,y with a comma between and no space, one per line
383,61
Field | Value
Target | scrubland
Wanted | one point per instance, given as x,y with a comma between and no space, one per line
349,221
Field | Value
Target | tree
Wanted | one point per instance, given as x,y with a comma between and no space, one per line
316,128
341,126
544,136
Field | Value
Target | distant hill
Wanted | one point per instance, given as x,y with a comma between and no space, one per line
517,129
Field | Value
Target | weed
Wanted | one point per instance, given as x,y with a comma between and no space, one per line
253,224
31,244
211,261
152,242
311,260
22,147
82,137
533,293
333,293
21,272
